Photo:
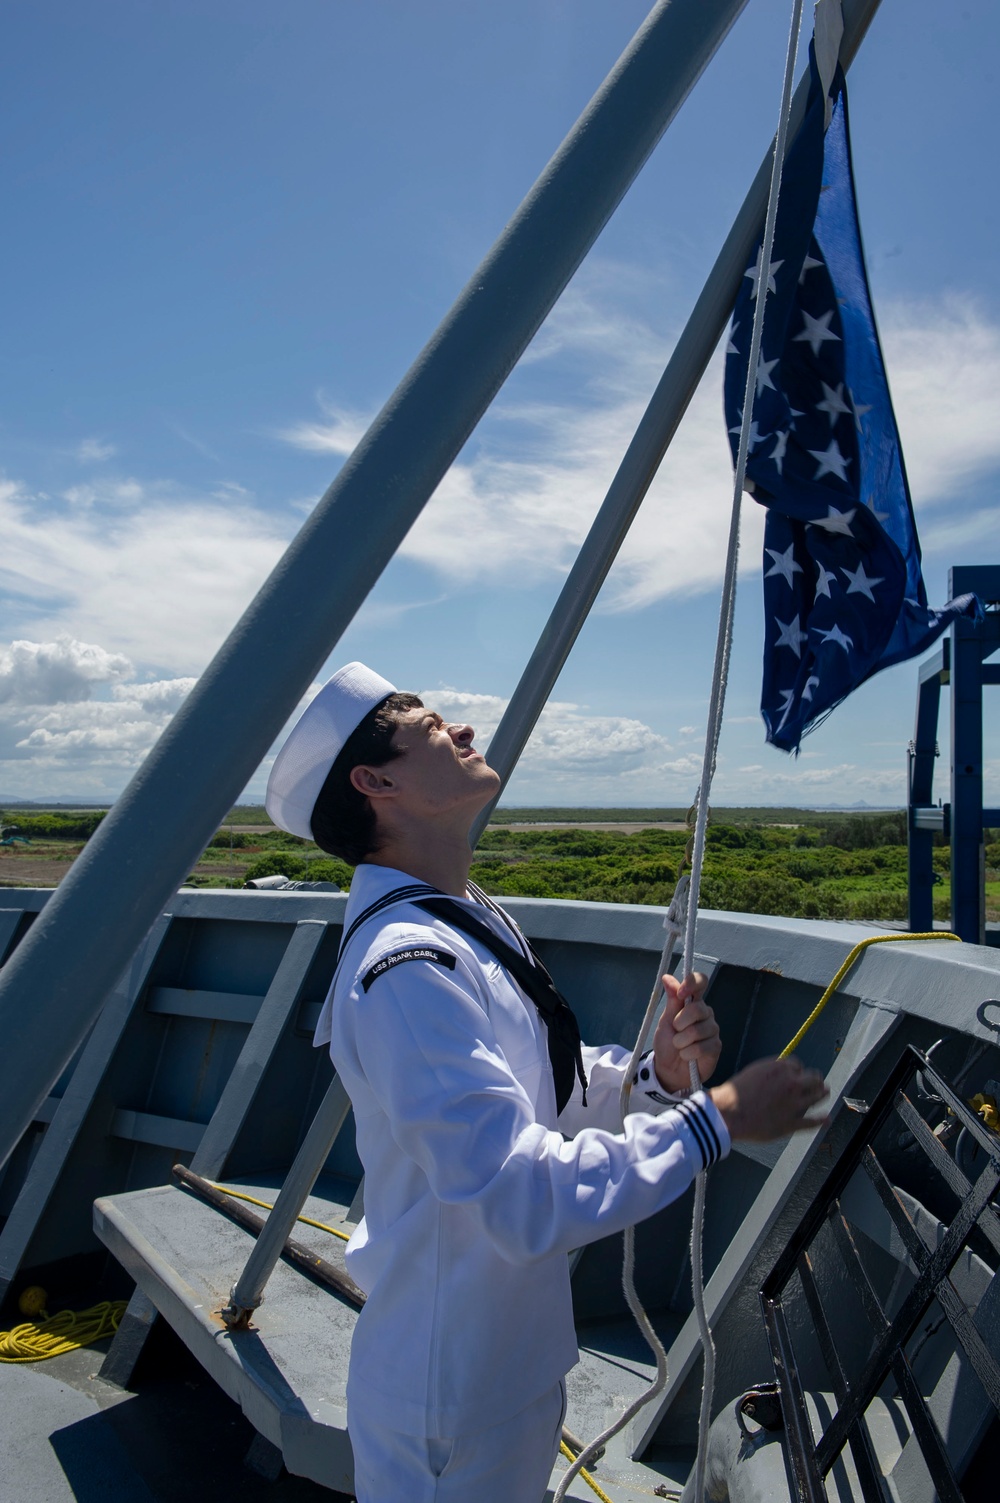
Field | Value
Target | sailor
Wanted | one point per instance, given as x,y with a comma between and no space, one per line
490,1136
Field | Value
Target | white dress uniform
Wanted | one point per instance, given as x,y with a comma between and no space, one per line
474,1191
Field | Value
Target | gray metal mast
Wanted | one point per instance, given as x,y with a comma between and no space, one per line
52,988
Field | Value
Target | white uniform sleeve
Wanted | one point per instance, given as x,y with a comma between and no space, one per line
604,1068
455,1107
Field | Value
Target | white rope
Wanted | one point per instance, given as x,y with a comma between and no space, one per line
674,925
686,894
717,700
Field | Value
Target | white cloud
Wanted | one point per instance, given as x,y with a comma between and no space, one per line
520,505
339,433
785,781
571,750
50,717
61,671
161,696
95,451
160,574
518,502
944,370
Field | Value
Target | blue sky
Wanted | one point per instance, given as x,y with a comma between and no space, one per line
231,228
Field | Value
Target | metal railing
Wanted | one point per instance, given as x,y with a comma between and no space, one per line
892,1119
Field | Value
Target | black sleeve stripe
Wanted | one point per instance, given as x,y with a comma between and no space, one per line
399,957
697,1131
703,1130
706,1118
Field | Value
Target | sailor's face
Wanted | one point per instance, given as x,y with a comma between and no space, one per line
438,766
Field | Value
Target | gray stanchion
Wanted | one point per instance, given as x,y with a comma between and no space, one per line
248,1291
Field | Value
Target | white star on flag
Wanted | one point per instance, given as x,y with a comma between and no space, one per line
779,450
731,346
835,521
823,582
816,331
807,266
880,516
753,272
764,369
860,583
811,683
836,636
784,564
788,699
792,635
831,461
833,403
858,408
755,433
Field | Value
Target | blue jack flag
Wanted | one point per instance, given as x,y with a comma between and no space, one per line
843,591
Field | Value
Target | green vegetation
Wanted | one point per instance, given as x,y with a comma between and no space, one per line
77,824
247,814
845,867
730,815
799,863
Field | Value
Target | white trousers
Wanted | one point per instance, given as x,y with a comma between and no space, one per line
509,1463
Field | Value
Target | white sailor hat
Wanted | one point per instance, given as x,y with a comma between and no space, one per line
301,767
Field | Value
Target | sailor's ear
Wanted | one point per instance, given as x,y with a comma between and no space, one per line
373,782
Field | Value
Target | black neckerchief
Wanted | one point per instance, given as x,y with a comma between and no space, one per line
555,1012
562,1029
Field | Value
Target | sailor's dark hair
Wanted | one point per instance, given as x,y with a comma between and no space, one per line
343,820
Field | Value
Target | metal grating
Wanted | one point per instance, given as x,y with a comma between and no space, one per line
825,1237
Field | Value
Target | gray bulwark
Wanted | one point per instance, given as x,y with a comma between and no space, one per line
155,1083
276,1012
71,1111
206,756
235,1104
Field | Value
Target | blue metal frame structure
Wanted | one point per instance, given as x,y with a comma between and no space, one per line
959,663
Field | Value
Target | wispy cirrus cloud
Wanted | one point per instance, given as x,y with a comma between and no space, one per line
95,451
517,503
338,430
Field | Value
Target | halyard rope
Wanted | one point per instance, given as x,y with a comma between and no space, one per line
852,956
716,703
714,725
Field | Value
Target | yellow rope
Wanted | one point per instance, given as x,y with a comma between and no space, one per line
875,939
564,1448
238,1195
51,1335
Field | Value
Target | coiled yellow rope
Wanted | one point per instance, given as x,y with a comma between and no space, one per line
565,1450
875,939
51,1335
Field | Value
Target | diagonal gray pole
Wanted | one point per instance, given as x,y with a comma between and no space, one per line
656,429
52,988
